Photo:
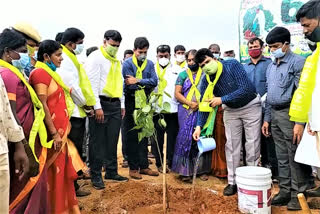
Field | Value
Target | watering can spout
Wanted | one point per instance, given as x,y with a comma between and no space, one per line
206,144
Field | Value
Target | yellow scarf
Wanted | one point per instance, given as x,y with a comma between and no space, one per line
182,65
69,102
162,82
114,84
140,95
302,98
38,126
208,94
193,90
84,82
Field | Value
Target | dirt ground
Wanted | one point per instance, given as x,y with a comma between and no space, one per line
145,196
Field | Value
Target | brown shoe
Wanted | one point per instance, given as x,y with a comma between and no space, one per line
135,174
149,172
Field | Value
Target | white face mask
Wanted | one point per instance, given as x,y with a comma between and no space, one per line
163,61
180,58
79,49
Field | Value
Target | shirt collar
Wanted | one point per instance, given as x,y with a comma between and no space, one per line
263,58
285,58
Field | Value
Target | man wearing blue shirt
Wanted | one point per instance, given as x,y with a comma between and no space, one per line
256,71
131,69
242,110
283,76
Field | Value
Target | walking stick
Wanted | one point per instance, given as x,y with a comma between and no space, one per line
164,171
303,203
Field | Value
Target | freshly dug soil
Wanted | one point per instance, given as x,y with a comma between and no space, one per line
145,197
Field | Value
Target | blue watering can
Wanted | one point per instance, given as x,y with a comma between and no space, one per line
206,144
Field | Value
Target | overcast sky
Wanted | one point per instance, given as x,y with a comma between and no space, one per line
192,23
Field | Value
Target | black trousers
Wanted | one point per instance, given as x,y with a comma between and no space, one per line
76,135
104,139
137,151
171,129
124,140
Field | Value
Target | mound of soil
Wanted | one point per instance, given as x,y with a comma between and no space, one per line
141,198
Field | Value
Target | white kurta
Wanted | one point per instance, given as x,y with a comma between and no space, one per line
314,114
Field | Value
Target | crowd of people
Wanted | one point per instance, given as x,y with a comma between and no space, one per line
51,102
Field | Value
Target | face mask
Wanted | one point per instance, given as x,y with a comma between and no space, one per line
142,57
111,50
315,35
278,53
194,67
52,66
180,58
210,68
255,53
79,49
22,62
35,57
163,61
228,58
216,55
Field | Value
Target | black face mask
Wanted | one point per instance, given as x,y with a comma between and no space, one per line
194,67
315,35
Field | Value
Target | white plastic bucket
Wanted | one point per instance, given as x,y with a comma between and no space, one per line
206,144
254,189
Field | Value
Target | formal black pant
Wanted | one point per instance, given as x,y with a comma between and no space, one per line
171,129
104,139
124,141
137,151
76,135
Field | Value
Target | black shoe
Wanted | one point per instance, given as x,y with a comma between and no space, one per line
230,190
313,192
116,178
81,193
97,183
294,204
280,199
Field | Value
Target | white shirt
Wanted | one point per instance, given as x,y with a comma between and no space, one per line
171,76
97,68
314,114
70,76
9,129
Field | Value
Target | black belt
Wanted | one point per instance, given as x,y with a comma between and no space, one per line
280,107
109,99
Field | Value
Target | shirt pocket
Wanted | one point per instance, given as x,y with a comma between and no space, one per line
285,76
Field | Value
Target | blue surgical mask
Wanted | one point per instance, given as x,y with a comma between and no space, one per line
52,66
216,55
228,58
23,62
278,53
79,49
35,57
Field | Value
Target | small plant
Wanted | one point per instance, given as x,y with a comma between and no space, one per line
143,117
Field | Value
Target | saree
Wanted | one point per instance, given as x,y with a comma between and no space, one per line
219,164
61,165
25,193
186,150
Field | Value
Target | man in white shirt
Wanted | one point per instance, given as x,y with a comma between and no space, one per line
167,74
9,131
179,54
104,72
73,75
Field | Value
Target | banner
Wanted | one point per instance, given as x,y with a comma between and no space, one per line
258,17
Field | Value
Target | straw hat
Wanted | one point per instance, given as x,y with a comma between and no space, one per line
28,30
